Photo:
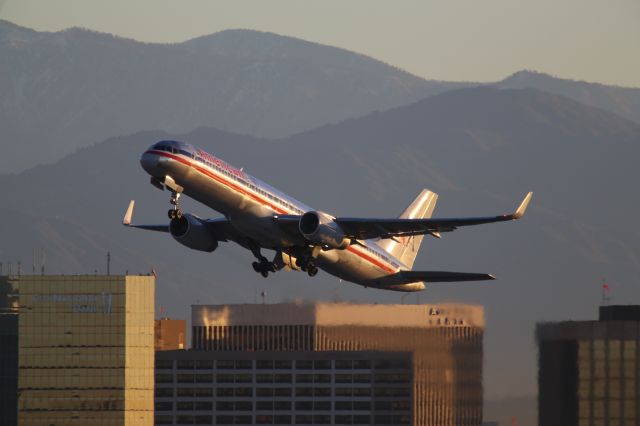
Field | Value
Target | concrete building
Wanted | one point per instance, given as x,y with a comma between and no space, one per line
326,363
588,370
8,353
85,350
170,334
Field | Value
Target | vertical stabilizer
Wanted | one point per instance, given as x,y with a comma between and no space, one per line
405,249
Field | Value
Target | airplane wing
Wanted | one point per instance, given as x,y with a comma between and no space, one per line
364,229
221,228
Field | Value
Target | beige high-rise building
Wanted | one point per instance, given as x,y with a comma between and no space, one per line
86,353
326,363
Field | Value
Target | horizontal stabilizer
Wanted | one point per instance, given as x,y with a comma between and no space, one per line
441,276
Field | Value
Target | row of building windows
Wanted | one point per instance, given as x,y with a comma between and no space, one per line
400,405
243,392
301,419
283,378
267,364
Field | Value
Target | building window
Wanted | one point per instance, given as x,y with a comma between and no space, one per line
204,420
243,406
225,364
264,419
164,364
185,392
164,378
204,364
284,364
184,406
264,364
304,419
322,365
204,378
164,392
224,406
203,392
224,392
282,420
164,406
243,420
185,378
163,419
204,405
185,364
264,405
264,392
244,392
282,392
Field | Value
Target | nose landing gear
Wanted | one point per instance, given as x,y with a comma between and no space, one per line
175,212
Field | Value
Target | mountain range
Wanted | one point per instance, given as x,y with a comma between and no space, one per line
70,89
480,148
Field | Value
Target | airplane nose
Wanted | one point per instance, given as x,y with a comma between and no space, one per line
149,163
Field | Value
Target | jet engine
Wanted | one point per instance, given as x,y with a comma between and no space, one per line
320,229
192,232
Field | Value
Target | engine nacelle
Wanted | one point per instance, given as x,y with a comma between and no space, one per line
320,229
190,231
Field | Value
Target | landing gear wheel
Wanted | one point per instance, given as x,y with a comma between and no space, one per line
264,273
175,212
312,270
256,267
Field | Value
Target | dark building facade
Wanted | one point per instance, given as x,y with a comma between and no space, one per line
588,370
205,387
8,353
438,383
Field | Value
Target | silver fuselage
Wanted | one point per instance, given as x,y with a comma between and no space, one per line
250,205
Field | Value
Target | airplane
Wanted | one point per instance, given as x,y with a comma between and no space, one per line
377,253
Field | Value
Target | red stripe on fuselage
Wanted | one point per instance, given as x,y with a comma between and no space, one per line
260,200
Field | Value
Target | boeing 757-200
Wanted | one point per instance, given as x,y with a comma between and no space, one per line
370,252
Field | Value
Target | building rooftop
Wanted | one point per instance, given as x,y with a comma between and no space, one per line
338,314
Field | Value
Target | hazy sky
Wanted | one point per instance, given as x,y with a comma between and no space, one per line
479,40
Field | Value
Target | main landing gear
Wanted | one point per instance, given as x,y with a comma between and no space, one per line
263,266
175,212
306,261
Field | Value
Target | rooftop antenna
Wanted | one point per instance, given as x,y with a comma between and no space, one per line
605,293
264,295
43,260
10,265
19,267
108,263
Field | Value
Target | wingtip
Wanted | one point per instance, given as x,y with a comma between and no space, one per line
492,277
523,206
126,220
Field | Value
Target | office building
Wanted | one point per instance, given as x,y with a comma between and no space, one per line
170,334
85,350
325,363
588,370
8,353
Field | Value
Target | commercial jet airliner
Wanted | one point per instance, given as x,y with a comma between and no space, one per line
375,253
